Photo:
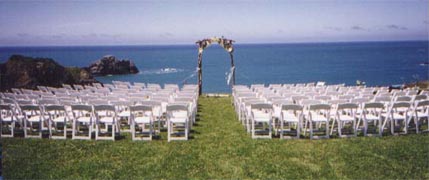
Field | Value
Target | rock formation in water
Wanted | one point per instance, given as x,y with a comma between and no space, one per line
110,65
27,72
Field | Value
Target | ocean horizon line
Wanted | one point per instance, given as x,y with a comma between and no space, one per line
239,44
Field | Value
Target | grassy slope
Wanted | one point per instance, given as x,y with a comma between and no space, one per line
220,148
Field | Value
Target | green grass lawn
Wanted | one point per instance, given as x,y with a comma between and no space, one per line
219,148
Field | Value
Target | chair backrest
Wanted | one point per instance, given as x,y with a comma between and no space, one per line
30,108
424,103
104,107
6,107
9,101
262,106
347,106
54,108
279,102
420,97
24,102
403,98
48,101
315,107
141,108
374,105
401,105
80,107
293,107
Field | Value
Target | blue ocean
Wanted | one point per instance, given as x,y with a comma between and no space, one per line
376,63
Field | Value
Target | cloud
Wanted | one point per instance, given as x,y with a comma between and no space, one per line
166,35
90,35
110,35
22,35
396,27
58,36
333,28
280,31
357,28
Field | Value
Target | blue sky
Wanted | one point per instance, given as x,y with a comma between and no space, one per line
183,22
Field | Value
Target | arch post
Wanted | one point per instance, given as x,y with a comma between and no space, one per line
200,73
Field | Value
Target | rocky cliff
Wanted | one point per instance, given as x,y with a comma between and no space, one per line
27,72
110,65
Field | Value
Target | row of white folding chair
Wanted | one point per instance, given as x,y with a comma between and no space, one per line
356,107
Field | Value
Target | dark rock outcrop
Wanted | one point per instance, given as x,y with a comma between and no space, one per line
27,72
110,65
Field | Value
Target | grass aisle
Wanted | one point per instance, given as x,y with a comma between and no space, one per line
219,148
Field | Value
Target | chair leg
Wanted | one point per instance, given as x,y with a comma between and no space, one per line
113,131
169,130
253,129
50,128
311,129
281,129
339,128
186,130
332,126
327,129
354,128
298,130
133,130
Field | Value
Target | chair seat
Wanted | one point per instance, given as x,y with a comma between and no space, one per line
261,117
371,117
60,119
178,120
290,117
318,118
84,119
398,116
37,118
421,114
124,114
8,119
180,114
143,119
346,118
110,120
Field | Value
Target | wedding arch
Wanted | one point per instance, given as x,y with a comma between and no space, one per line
227,45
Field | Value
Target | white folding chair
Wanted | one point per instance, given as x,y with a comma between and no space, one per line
32,116
105,116
177,118
58,119
421,112
345,113
372,112
141,115
396,114
82,116
291,114
319,114
7,120
262,115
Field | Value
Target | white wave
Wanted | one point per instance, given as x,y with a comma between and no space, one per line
162,71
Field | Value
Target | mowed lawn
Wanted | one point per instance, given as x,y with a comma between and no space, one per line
219,148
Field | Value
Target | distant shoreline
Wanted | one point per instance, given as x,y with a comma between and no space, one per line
192,44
